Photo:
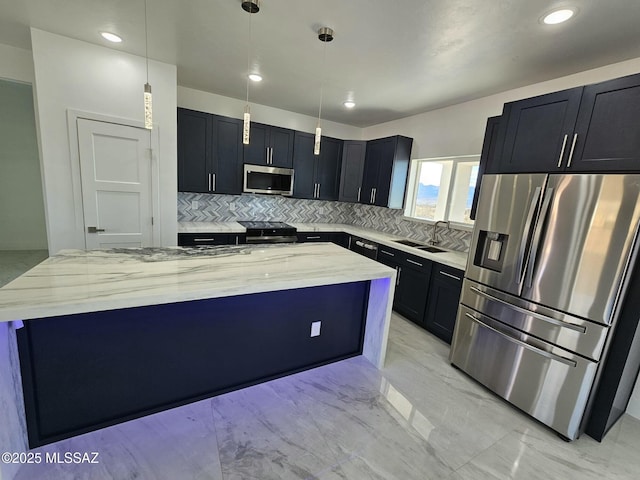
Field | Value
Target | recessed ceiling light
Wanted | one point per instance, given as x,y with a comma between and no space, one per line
254,77
349,104
558,16
112,37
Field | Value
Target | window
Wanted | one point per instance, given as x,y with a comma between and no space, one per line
442,188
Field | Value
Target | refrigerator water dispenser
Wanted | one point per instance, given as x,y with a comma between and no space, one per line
490,250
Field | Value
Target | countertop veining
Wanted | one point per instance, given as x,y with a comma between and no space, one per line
79,281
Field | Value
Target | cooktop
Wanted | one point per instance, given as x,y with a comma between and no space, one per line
264,225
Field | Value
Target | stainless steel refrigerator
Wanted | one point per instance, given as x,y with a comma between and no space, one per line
548,270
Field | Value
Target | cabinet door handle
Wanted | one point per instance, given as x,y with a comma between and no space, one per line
564,144
573,146
318,191
449,275
371,196
399,270
271,156
213,182
415,263
317,237
387,253
267,153
209,175
359,188
375,192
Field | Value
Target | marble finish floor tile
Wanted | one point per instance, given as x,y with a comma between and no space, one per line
14,263
175,444
533,452
418,418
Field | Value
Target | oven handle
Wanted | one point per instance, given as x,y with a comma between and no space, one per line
272,239
539,351
539,316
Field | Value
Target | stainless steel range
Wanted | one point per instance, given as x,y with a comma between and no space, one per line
269,232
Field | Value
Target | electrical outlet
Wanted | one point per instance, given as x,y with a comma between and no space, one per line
194,204
315,329
232,206
321,210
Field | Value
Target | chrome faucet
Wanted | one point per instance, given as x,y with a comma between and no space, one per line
434,236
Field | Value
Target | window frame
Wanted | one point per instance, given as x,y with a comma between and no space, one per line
413,183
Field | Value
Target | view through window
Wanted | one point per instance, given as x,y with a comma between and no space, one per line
442,189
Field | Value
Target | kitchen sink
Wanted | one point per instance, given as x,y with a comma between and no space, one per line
430,249
410,243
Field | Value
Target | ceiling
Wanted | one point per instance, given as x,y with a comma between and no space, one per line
393,58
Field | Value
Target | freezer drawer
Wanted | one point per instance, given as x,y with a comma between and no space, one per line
549,383
573,333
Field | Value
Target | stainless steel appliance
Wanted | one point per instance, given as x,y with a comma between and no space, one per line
269,232
549,264
271,180
363,247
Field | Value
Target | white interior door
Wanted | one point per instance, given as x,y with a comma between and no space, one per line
116,175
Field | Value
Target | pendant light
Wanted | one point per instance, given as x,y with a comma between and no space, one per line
148,106
325,35
250,6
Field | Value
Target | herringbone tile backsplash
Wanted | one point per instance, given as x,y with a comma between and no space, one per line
228,208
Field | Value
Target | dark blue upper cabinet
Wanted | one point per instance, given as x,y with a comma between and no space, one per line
584,129
269,145
316,176
386,169
209,153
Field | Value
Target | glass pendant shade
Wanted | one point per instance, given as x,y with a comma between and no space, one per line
246,125
148,107
316,143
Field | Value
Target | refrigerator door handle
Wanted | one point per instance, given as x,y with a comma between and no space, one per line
537,350
527,228
546,203
539,316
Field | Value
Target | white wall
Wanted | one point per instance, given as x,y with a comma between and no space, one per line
16,64
459,129
232,107
21,203
75,75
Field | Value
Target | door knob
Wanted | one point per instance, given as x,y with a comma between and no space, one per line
94,229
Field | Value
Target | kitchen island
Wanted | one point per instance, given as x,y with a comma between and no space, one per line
111,335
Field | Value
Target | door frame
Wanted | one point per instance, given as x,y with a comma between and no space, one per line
74,156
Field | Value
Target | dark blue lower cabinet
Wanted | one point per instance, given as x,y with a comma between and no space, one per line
88,371
443,299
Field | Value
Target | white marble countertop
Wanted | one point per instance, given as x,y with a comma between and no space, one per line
78,281
210,227
451,258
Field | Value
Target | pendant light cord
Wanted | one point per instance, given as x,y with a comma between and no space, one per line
324,59
146,39
249,57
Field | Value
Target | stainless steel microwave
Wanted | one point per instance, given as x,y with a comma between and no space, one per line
273,180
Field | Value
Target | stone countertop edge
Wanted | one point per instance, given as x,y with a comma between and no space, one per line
450,258
79,281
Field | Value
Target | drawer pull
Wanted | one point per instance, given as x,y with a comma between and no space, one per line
203,239
539,316
537,350
387,253
313,238
415,263
449,275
